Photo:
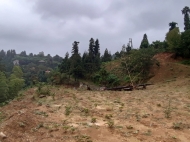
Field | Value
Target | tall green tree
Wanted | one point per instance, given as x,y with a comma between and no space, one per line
65,64
75,48
173,38
186,12
17,71
185,43
97,48
16,82
4,90
144,42
91,48
76,64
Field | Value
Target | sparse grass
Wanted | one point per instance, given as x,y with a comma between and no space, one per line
42,113
2,116
83,138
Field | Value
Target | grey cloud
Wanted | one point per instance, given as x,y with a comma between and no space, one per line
52,26
67,9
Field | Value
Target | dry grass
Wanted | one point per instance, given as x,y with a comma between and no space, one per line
101,116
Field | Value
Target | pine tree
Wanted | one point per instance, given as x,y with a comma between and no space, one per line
186,12
65,64
91,48
144,42
97,48
75,62
75,49
107,56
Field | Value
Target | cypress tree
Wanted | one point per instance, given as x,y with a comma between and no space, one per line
144,42
186,12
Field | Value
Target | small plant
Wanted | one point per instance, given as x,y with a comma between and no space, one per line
66,128
67,110
21,124
93,120
53,96
148,132
168,110
108,116
110,124
121,108
38,127
43,90
85,111
129,127
177,125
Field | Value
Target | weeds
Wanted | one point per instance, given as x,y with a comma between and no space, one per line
110,124
41,113
108,116
85,111
2,116
67,110
93,120
168,110
83,138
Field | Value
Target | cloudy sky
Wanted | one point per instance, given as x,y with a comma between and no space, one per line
53,25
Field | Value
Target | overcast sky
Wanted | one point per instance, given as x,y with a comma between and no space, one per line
53,25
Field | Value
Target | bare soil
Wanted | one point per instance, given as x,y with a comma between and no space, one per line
161,113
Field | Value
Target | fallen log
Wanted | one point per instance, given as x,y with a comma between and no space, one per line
129,87
125,88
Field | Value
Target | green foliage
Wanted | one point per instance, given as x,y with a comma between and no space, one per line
186,62
173,38
186,12
105,78
107,56
172,25
144,42
68,110
136,65
75,47
15,85
3,88
113,80
55,77
43,90
16,82
159,45
185,43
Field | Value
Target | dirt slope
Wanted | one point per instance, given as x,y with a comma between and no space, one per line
104,116
169,68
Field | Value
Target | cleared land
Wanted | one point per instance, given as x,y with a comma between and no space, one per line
159,113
